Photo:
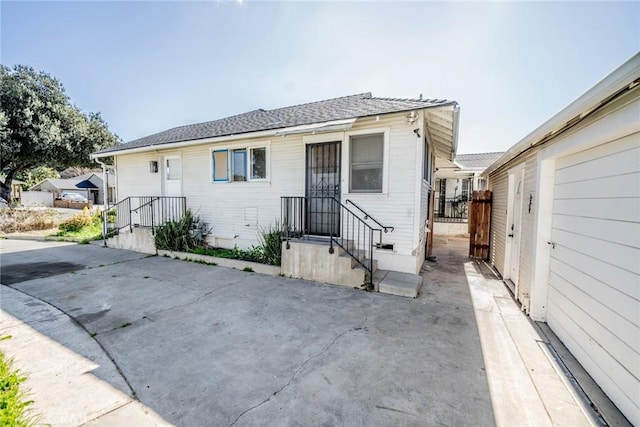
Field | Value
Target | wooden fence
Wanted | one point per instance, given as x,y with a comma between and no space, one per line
479,224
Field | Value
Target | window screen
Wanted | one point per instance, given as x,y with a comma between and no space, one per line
259,163
220,165
366,163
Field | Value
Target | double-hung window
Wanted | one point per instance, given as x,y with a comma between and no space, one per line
239,164
365,163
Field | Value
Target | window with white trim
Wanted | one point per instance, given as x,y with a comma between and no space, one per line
240,164
258,163
365,163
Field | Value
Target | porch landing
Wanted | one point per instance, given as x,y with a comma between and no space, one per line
397,283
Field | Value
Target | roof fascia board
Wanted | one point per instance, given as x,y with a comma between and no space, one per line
624,75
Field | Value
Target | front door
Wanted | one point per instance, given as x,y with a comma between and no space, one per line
322,187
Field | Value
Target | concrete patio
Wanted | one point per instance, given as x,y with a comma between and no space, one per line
111,337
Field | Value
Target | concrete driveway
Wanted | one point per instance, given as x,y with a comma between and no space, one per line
208,345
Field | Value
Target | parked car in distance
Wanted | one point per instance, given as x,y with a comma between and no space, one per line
74,197
3,203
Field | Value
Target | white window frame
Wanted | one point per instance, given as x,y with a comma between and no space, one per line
346,164
243,146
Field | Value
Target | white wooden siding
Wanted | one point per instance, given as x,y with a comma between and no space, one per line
396,208
527,225
134,177
594,282
498,184
224,205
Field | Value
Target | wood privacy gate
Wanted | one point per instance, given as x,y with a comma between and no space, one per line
479,224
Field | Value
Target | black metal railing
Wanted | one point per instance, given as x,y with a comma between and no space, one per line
455,209
346,229
143,211
367,217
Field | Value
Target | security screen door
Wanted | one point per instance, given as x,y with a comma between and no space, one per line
322,186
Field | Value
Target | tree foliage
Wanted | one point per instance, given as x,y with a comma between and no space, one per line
40,127
33,176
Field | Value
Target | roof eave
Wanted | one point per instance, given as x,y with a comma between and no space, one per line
261,134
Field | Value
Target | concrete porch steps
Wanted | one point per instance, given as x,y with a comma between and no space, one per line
396,283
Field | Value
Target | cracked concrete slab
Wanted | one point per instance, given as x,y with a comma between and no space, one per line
207,345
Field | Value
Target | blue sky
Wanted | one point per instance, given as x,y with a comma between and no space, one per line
150,66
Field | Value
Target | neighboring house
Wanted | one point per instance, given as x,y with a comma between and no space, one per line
248,171
89,185
16,190
455,183
565,230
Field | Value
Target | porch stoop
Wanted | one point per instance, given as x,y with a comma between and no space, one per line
138,239
397,283
310,259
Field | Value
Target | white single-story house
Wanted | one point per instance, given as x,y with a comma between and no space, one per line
374,156
89,185
455,183
565,230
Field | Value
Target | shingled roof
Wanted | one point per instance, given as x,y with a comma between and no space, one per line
347,107
477,160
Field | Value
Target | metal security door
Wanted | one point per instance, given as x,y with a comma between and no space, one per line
323,188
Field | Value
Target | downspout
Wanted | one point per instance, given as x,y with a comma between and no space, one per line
105,199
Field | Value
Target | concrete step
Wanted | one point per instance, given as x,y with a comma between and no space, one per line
396,283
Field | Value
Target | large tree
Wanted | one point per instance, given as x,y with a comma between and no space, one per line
40,127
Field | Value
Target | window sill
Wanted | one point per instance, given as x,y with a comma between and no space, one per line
261,181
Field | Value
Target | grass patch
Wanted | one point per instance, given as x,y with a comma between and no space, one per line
14,406
248,269
125,324
21,220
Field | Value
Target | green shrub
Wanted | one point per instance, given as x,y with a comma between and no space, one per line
271,243
177,235
77,223
13,403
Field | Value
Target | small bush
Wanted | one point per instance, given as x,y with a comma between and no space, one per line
13,403
271,243
76,223
177,235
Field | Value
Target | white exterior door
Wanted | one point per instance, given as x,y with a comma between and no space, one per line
514,217
172,176
593,300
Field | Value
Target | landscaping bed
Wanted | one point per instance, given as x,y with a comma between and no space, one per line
273,270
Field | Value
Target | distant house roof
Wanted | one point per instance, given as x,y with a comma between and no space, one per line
80,182
347,107
477,161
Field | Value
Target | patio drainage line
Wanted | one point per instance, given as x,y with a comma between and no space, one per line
133,392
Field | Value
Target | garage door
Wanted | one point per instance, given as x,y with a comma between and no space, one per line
594,285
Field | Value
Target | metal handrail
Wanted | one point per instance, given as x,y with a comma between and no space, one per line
385,228
168,208
353,234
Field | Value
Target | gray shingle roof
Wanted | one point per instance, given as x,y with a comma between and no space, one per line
477,160
347,107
